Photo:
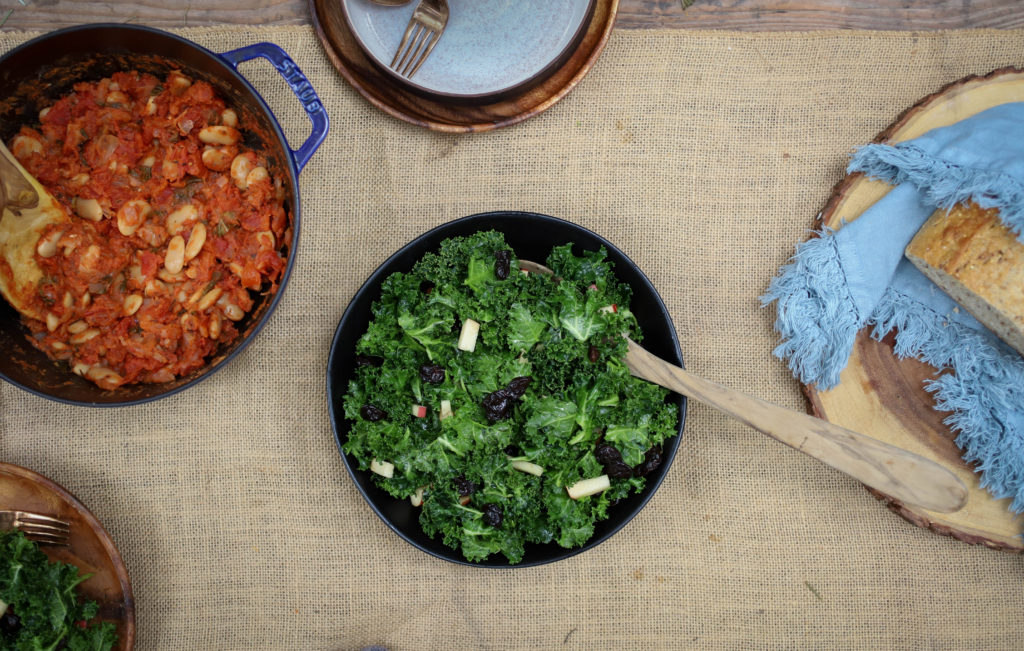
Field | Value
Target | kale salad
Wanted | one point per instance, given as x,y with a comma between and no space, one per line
496,400
39,604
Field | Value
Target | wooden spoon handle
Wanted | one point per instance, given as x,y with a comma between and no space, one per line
896,472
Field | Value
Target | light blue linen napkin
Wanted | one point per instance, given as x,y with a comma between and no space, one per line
856,277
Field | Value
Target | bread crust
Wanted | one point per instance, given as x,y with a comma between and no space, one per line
972,256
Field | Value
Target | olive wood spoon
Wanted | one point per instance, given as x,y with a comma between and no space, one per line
898,473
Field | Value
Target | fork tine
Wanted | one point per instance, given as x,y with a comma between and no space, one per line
404,42
47,537
434,37
414,51
44,528
38,518
411,52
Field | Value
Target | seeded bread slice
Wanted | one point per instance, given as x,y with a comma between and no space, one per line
972,256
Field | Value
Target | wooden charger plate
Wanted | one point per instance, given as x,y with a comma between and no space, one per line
90,547
449,116
882,395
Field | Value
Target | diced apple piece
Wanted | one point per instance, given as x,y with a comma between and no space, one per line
419,411
382,468
528,467
591,486
446,409
464,500
610,308
467,338
416,499
592,287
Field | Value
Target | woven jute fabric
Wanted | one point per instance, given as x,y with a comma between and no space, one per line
705,157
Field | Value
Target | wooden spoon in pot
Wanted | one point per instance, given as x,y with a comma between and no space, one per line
26,211
898,473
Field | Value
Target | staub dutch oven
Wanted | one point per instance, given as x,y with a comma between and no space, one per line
36,73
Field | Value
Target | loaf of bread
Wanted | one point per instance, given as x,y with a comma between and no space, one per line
979,262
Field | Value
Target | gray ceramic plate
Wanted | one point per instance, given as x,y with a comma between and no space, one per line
489,46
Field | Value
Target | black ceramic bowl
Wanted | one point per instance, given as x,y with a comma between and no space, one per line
531,236
36,73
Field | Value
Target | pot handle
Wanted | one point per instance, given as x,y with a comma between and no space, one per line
300,86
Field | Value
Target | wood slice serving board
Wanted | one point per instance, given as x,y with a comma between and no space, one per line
882,395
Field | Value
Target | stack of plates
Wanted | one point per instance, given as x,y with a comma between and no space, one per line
497,62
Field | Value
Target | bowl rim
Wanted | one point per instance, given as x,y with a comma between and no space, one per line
369,290
496,94
287,161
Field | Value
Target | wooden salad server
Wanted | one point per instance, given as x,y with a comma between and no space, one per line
898,473
26,210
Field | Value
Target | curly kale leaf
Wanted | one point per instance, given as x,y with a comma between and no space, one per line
43,595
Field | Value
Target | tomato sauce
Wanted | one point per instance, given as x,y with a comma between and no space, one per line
174,224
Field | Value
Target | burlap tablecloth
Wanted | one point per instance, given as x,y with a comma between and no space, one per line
705,157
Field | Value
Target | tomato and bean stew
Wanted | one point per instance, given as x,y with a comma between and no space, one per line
175,225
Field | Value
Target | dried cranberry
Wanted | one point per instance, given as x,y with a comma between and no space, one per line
593,354
9,622
493,515
498,405
504,261
369,360
611,460
464,486
607,453
432,373
517,387
426,286
372,414
652,459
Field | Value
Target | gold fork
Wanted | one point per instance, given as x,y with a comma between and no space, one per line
36,526
424,30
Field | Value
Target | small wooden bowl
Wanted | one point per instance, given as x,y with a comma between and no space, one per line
446,115
90,548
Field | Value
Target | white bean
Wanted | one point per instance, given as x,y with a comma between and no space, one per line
47,246
209,298
169,277
148,161
88,209
240,168
219,134
132,303
179,83
175,258
69,300
131,215
78,326
233,312
52,321
195,241
229,118
151,106
256,175
24,146
177,219
217,159
104,377
80,179
44,113
215,325
84,336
